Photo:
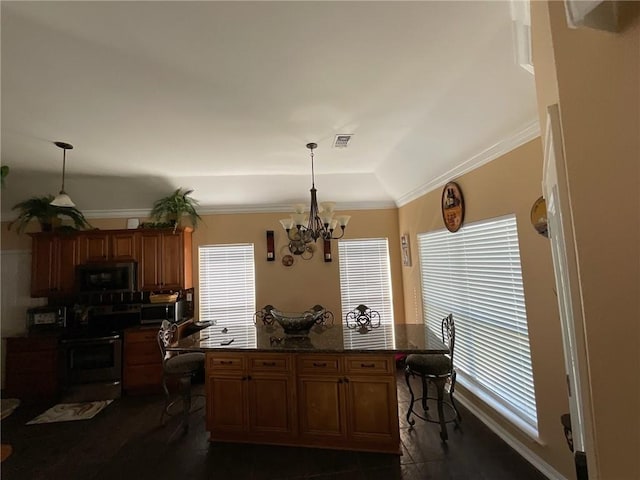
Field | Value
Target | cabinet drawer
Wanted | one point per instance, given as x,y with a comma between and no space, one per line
369,364
318,364
225,362
270,363
146,335
33,362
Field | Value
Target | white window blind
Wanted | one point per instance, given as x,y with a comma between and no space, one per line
475,274
227,287
365,278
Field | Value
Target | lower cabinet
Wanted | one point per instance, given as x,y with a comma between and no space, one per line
142,362
32,368
317,400
250,397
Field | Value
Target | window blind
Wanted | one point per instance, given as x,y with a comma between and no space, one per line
365,278
227,287
475,274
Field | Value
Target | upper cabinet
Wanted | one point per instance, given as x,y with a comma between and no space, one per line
53,264
165,260
100,246
163,256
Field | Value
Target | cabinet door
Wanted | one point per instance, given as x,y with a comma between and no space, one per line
320,408
43,265
123,247
142,361
149,265
371,406
94,247
172,262
67,259
271,396
226,406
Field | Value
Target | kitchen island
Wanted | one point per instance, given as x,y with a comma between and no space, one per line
333,388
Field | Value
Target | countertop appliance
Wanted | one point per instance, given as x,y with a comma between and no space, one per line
46,318
156,313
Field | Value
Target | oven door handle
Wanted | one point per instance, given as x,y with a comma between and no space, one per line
81,341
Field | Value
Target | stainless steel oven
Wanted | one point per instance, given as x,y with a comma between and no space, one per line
156,313
91,367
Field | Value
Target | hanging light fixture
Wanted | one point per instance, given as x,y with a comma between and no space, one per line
62,199
303,229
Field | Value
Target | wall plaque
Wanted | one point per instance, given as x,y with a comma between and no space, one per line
452,206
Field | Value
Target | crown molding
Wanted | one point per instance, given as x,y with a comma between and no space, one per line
525,134
223,209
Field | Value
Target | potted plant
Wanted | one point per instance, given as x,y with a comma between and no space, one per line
39,208
173,207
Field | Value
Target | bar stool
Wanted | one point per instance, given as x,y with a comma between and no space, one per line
437,369
177,366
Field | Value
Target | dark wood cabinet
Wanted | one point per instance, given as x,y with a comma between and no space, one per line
103,246
165,260
53,263
142,362
320,400
251,397
32,368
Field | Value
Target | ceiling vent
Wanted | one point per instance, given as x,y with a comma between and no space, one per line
342,140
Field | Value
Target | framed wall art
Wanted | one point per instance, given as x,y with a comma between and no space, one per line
452,206
406,250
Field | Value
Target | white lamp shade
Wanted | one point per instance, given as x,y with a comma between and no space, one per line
326,217
328,206
287,223
299,207
334,224
62,200
298,218
344,220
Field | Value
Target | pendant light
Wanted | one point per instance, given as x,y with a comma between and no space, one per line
62,199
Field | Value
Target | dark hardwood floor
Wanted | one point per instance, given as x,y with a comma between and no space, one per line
125,441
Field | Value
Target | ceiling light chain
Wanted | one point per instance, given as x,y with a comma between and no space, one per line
320,223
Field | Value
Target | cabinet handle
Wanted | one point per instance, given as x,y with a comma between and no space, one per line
367,365
346,380
248,377
226,362
339,380
268,364
319,364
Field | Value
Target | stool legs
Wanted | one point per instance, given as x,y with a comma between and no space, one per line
185,390
410,420
440,389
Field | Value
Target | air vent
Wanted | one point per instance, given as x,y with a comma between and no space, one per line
342,140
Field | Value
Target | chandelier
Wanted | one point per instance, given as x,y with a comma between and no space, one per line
303,229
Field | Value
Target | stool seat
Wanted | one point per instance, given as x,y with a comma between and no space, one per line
429,364
185,363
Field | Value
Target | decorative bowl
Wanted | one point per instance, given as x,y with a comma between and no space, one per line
297,323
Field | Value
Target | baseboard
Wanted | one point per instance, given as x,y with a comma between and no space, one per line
512,441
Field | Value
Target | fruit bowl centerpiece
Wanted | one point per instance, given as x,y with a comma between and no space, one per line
298,323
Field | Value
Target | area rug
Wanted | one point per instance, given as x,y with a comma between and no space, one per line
66,412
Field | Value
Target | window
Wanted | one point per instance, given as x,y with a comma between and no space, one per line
365,278
227,287
476,275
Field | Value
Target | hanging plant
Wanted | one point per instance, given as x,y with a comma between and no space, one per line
40,209
176,206
4,171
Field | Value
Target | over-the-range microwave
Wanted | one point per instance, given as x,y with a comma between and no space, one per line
156,313
106,277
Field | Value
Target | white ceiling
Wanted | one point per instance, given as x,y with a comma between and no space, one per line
222,97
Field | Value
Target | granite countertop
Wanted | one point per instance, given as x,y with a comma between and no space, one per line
406,338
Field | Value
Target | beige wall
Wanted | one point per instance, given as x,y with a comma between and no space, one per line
594,76
509,184
295,288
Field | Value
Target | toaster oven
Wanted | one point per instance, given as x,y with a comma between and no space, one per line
156,313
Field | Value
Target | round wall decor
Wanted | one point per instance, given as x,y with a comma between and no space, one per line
287,260
539,217
452,206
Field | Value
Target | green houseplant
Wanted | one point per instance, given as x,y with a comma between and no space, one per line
39,208
173,207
